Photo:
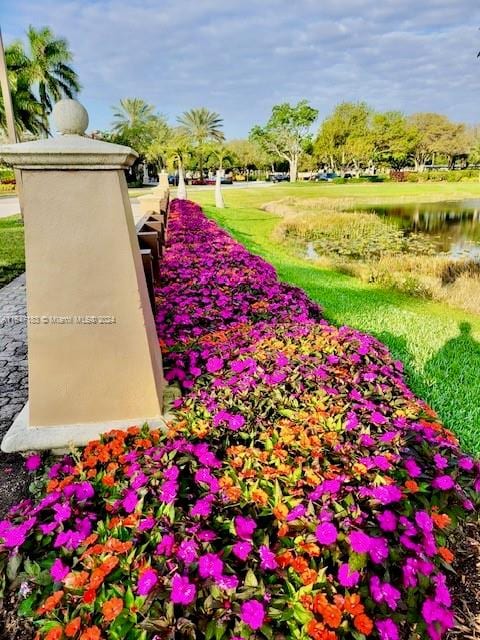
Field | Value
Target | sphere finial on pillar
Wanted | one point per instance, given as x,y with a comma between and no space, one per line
70,117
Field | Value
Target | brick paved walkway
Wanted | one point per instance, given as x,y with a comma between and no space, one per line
13,351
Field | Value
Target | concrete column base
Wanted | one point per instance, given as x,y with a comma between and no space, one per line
22,438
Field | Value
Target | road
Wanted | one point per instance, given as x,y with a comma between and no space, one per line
9,205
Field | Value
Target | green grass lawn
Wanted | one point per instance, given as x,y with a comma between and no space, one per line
12,253
439,345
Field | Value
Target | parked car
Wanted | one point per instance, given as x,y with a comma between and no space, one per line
224,180
325,177
278,177
173,180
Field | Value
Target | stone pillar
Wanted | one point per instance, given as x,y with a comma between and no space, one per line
94,361
219,203
163,179
182,189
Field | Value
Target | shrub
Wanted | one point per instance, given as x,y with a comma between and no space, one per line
302,491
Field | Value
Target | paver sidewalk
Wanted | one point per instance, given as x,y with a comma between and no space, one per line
13,351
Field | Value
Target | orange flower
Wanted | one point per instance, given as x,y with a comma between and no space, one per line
92,633
309,576
112,608
319,602
73,627
412,486
299,565
284,559
97,578
259,497
441,520
446,554
108,481
109,565
352,605
310,548
280,511
54,634
332,615
50,603
363,624
76,579
283,530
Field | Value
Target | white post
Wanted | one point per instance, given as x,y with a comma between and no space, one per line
94,361
182,189
219,203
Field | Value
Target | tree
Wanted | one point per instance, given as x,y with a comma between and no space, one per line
130,114
393,138
344,139
179,148
38,78
248,154
437,135
286,134
28,111
202,126
49,71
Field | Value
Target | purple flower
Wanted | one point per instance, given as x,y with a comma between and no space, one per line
252,613
424,521
202,507
204,475
33,462
244,527
387,629
412,468
146,524
384,592
63,512
146,582
227,582
242,549
188,551
165,546
377,418
435,614
444,483
168,491
214,364
130,501
58,570
386,494
236,422
297,512
183,591
360,542
346,577
267,558
326,533
84,491
210,566
387,521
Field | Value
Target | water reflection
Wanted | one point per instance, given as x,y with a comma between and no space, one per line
453,226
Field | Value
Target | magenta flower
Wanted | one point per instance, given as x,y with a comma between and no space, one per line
377,418
165,546
242,549
58,570
387,629
326,533
210,566
33,462
183,591
202,507
386,494
297,512
188,551
387,521
412,468
384,592
130,501
168,491
84,491
252,613
267,559
146,582
346,577
360,542
244,527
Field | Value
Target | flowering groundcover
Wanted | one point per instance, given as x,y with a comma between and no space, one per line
301,492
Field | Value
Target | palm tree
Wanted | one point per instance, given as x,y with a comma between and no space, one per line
28,111
49,69
202,125
131,114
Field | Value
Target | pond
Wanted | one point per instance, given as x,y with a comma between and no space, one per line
454,226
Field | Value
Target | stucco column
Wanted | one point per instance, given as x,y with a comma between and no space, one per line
94,361
219,203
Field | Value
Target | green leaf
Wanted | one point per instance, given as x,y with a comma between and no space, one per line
250,579
13,565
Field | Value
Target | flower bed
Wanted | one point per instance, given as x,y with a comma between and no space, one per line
302,492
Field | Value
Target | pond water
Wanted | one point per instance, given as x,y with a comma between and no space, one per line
453,226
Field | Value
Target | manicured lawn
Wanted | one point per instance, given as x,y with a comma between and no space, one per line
12,253
439,346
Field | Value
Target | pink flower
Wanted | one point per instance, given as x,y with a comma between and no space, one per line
165,546
210,566
412,468
244,527
188,551
242,549
58,570
147,580
360,542
346,577
387,629
326,533
377,418
387,494
384,592
130,501
252,613
267,557
183,591
33,462
202,507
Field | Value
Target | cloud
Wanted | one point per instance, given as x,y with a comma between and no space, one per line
241,58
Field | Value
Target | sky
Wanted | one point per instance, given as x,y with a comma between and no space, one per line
240,57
